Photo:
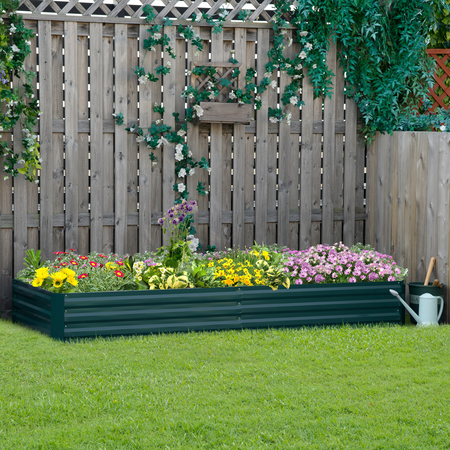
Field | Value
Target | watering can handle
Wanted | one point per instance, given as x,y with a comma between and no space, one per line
441,308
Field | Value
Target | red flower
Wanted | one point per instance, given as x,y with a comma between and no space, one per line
59,259
73,262
58,253
118,273
64,264
119,263
101,265
83,275
103,256
83,257
56,267
93,263
72,249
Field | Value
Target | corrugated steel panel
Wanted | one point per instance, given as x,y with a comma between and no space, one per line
143,312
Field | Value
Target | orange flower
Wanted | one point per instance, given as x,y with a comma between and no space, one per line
118,273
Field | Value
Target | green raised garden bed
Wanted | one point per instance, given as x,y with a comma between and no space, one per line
65,316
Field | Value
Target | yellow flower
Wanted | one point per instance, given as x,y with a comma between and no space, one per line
68,272
72,281
58,278
37,282
41,273
265,255
228,282
110,265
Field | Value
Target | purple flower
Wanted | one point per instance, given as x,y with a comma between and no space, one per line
373,276
319,278
161,221
363,277
352,280
175,221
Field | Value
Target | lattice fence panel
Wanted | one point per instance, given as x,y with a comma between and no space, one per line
440,92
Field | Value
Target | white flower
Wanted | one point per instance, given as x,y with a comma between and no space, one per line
212,95
182,173
193,244
143,79
314,66
28,42
199,110
179,148
267,75
302,55
296,77
162,141
189,154
308,46
169,64
299,67
290,41
191,95
288,66
273,119
14,48
288,118
257,98
293,100
181,187
5,177
274,84
232,95
299,90
303,33
157,36
283,32
158,121
189,72
209,170
181,132
36,181
154,163
179,156
140,139
443,128
13,28
191,172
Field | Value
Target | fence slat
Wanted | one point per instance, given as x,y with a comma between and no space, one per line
249,183
261,143
132,157
83,140
215,221
316,170
71,133
442,265
383,150
45,136
108,142
285,183
329,142
156,173
360,165
432,197
120,140
306,161
350,171
412,199
394,193
145,165
421,206
32,188
96,106
193,134
6,241
169,87
371,191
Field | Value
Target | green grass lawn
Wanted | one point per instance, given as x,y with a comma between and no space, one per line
330,388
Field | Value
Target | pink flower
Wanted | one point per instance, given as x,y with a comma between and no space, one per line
391,278
298,281
352,280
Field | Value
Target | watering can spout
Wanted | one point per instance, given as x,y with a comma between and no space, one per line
416,317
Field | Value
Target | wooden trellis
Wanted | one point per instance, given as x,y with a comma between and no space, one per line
441,56
178,9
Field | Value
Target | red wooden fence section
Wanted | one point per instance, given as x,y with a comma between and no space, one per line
441,56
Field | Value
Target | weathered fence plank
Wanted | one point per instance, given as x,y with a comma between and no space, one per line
261,143
96,135
120,140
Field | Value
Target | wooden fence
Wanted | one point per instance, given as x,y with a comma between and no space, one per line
298,184
408,201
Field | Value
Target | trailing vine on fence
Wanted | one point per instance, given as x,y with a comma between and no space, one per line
19,105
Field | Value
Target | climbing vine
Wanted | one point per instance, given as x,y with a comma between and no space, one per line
19,105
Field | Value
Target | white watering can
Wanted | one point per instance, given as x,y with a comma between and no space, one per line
427,309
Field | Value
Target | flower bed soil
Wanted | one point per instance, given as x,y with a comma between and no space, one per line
77,315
